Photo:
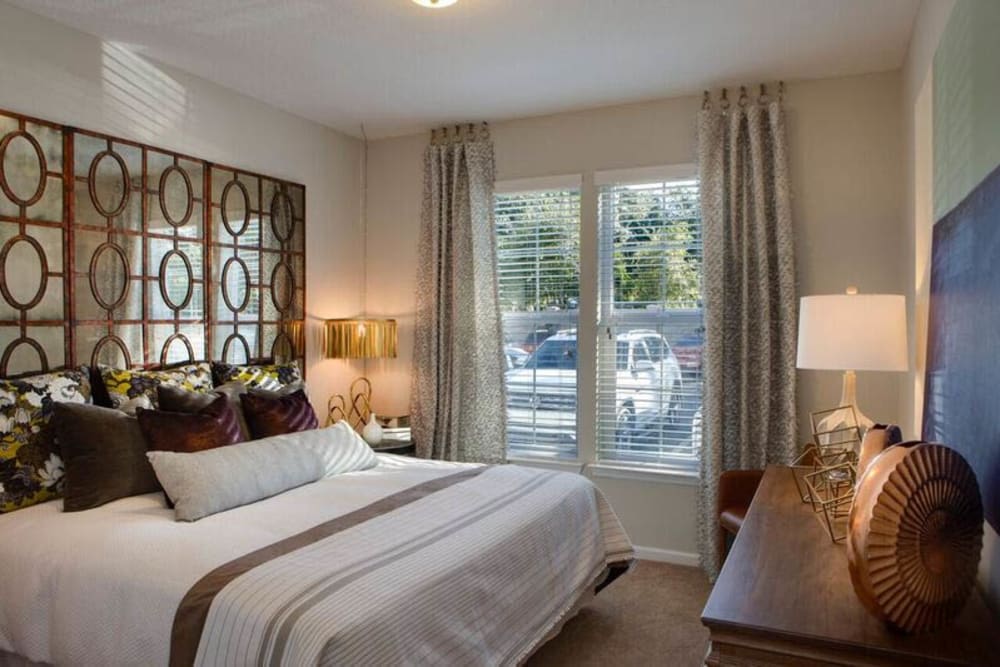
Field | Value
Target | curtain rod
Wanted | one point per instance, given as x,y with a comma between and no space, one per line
744,99
460,132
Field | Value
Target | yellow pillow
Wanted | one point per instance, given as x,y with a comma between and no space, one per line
31,470
266,376
131,388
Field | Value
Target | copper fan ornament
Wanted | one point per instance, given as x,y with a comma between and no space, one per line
915,533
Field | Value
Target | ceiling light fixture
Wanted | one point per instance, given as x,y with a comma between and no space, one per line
435,4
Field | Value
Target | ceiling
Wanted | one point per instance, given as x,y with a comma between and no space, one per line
400,68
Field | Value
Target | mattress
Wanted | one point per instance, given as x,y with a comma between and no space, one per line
478,566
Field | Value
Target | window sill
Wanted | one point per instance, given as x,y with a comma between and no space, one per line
565,465
643,474
676,476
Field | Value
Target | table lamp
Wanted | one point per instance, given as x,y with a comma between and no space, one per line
360,339
357,339
852,332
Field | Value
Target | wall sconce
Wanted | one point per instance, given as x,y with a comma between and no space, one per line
292,334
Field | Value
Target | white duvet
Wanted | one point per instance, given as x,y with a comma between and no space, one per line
126,566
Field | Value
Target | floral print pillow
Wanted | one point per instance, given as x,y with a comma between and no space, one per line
31,470
129,389
267,376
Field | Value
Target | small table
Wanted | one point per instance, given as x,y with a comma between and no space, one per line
401,447
784,597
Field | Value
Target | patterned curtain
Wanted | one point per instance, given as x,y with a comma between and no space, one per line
750,301
458,401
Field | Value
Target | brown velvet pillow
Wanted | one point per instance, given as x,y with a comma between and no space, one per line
213,426
104,455
276,415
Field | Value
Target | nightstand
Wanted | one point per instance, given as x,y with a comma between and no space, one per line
403,448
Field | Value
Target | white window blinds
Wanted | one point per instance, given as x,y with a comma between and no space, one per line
538,252
649,376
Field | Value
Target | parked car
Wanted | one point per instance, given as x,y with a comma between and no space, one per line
696,432
515,356
537,337
541,395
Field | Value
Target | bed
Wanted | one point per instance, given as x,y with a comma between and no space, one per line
409,562
398,561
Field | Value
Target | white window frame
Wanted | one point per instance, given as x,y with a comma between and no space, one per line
544,184
681,466
589,183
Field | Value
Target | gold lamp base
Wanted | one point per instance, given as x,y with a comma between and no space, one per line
355,411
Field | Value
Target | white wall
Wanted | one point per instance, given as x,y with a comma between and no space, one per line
847,186
918,135
63,75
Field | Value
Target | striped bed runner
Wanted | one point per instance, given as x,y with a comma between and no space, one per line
475,567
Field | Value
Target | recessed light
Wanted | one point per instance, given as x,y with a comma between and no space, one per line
435,4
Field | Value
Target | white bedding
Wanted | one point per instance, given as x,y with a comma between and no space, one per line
127,565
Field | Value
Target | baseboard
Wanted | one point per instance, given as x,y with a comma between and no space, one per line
667,556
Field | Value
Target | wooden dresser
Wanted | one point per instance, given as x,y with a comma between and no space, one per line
784,597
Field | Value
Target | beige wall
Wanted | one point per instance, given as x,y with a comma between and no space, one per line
59,74
847,183
918,135
861,185
847,187
917,100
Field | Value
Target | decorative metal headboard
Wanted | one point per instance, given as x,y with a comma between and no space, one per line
119,253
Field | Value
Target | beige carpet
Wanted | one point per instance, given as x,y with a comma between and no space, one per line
650,616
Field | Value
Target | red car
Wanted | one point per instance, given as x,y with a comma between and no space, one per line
688,352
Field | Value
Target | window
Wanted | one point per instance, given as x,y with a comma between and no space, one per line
538,252
643,288
649,380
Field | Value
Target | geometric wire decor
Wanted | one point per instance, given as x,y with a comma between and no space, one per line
257,265
118,253
34,326
825,472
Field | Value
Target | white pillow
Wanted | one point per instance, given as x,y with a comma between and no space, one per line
342,449
215,480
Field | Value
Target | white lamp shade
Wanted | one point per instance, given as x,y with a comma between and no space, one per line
853,332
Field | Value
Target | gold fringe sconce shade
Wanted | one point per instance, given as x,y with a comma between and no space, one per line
360,339
293,332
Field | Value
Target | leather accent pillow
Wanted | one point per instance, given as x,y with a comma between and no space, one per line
266,376
104,453
215,425
176,399
31,470
278,415
129,390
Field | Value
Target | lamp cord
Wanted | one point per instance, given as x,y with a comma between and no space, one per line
364,228
364,219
